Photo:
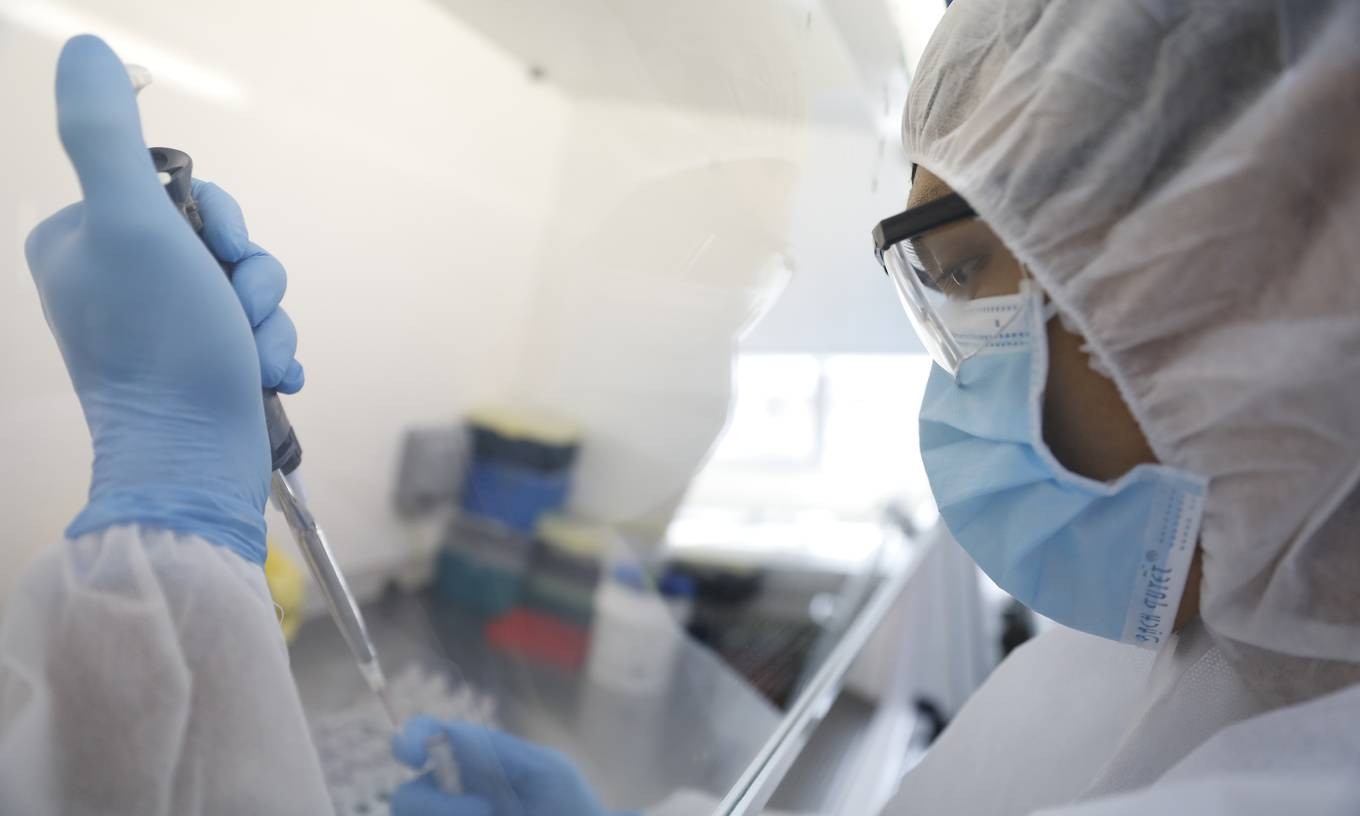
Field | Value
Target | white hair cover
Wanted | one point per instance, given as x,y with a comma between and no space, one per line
1183,178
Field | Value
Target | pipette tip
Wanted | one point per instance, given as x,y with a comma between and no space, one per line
373,675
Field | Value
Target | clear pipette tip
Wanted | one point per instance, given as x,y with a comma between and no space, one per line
138,76
438,749
373,675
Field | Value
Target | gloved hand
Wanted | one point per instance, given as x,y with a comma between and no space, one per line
501,776
166,356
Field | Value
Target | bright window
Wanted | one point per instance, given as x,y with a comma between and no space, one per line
829,433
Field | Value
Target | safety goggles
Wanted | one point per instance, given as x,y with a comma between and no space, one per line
948,267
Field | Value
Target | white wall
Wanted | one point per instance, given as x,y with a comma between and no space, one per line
400,166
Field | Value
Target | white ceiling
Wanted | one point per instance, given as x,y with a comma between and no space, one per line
750,58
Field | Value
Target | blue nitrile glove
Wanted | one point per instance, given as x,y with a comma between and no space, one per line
158,345
501,775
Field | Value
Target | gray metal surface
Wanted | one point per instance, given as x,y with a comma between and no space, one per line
699,735
710,731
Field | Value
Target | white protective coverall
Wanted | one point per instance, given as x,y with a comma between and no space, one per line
144,671
1183,180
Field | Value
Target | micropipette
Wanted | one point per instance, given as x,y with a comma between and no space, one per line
175,170
286,493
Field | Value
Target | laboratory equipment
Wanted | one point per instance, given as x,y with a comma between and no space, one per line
943,261
678,590
352,742
311,540
566,568
430,470
520,468
443,764
501,774
540,638
550,621
174,168
635,644
481,565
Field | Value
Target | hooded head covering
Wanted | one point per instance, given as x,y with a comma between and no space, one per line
1183,178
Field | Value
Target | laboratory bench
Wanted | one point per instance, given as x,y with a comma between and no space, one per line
734,716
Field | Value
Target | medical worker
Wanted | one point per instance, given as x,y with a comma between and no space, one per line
1131,248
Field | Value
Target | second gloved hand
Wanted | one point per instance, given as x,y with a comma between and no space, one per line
167,363
501,775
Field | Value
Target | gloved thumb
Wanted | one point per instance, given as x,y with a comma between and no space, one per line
100,127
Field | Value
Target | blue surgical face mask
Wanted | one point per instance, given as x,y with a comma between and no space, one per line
1106,558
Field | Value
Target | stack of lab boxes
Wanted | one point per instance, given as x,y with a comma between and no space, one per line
518,470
